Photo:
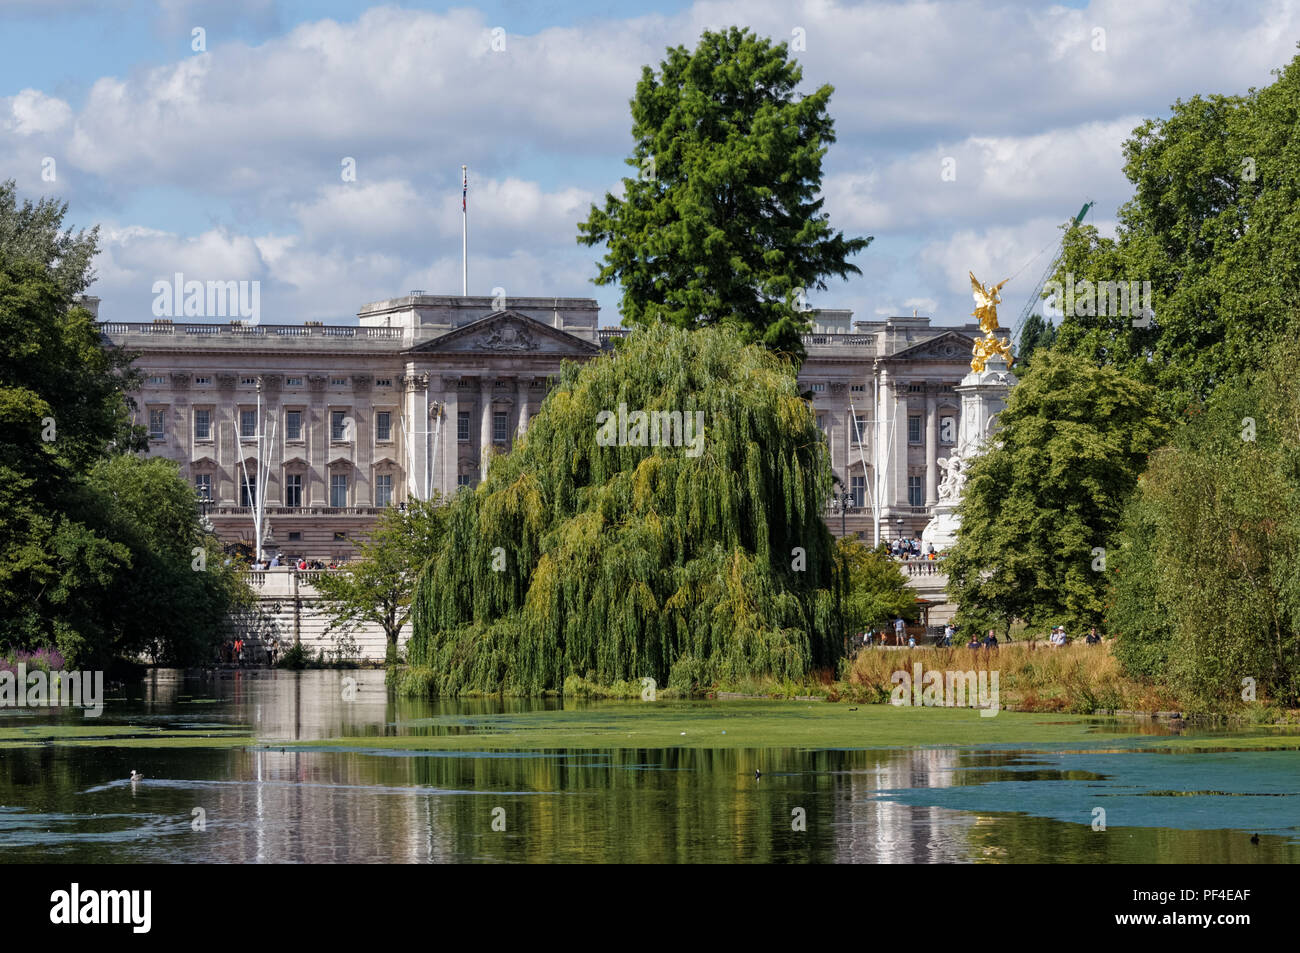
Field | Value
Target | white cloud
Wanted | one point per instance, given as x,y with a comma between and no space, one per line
32,112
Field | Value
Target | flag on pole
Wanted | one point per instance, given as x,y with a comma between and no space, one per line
464,187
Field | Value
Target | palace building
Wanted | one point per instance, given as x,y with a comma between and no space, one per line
331,423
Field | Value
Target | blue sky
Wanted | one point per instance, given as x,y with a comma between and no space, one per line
225,163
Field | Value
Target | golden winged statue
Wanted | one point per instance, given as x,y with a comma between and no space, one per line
986,310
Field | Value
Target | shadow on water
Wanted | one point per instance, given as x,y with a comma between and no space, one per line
259,804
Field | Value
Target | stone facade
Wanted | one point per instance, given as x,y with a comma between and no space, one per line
898,377
417,396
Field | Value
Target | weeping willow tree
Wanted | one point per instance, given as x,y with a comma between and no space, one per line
614,545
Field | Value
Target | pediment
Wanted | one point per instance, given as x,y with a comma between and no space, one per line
508,333
202,463
949,346
384,461
295,461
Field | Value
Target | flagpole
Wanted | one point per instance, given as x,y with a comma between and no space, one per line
464,231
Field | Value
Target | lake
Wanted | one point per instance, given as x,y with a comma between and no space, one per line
233,773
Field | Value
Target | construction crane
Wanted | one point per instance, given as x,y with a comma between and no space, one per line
1047,273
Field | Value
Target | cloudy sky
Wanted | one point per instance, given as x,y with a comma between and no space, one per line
226,162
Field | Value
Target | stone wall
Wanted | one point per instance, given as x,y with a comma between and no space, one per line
293,604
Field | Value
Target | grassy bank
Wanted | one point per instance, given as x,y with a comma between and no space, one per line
1032,677
785,724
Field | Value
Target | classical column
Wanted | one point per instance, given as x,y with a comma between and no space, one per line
448,464
523,407
485,433
901,449
931,450
414,387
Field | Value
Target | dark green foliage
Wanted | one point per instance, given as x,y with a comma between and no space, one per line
877,590
722,223
96,547
1073,440
637,561
1214,224
1037,334
1207,588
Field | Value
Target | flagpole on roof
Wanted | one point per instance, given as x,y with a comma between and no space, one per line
464,232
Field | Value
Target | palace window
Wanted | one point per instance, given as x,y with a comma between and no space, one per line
157,423
203,485
858,488
383,382
916,388
295,537
500,427
158,379
338,382
463,481
384,425
462,425
818,388
861,435
248,423
200,381
338,425
384,489
248,381
203,424
293,425
293,382
914,428
916,490
293,490
247,489
857,388
338,489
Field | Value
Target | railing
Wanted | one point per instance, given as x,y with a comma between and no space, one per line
610,334
300,510
839,338
923,567
252,330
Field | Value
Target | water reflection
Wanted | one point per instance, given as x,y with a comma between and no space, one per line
274,805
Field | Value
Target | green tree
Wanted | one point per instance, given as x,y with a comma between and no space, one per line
591,551
1041,504
1206,590
1214,225
722,223
95,545
172,599
376,587
1037,334
876,590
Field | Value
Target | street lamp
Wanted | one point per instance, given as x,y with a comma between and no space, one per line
842,502
205,501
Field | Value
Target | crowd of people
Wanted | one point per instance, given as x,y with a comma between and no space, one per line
237,651
946,639
912,548
277,561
